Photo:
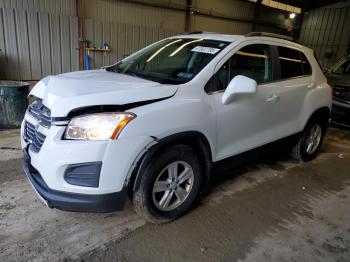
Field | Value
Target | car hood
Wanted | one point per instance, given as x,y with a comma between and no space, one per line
69,91
339,80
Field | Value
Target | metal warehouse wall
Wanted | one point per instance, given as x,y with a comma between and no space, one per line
270,19
136,14
275,18
35,44
232,8
64,7
124,39
40,37
327,31
127,27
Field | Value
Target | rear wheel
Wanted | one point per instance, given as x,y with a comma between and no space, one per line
169,185
310,141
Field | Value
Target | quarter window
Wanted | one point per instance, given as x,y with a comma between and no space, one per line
253,61
306,65
293,63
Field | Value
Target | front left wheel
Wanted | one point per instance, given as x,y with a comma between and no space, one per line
170,184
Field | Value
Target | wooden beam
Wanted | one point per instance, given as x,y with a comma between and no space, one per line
188,16
81,33
256,15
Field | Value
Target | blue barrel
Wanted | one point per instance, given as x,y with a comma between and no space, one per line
13,103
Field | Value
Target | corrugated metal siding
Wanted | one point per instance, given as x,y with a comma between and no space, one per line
202,23
64,7
123,39
326,30
48,29
136,14
230,8
2,48
36,44
270,29
233,8
276,17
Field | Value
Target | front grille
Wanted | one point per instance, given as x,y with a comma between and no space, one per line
40,113
43,117
35,138
342,93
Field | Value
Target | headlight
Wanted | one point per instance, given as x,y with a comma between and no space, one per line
102,126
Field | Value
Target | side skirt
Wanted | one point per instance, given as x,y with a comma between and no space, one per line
247,157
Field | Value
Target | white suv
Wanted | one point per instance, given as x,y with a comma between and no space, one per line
156,123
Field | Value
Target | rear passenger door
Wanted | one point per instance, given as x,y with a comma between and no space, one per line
293,81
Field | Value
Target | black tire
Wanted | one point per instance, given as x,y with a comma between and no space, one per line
143,197
299,150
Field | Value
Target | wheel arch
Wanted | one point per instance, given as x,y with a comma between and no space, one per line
195,139
322,112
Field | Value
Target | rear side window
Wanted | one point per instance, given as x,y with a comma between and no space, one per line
293,63
253,61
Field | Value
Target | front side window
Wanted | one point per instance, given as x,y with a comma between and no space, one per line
172,61
253,61
343,68
293,63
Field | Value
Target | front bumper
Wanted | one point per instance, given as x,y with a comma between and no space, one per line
72,201
118,158
47,167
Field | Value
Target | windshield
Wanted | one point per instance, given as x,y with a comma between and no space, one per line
343,68
172,61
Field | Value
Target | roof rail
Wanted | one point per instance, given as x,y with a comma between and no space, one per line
251,34
201,32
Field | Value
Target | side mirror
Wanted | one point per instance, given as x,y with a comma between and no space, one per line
239,85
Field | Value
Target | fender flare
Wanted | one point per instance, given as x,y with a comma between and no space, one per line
193,138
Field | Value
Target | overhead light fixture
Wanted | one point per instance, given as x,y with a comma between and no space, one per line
292,15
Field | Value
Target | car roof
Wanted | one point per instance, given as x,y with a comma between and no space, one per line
233,38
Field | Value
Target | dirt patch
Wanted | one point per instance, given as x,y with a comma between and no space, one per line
272,210
282,211
10,170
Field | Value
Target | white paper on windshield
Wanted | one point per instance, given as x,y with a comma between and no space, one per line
205,49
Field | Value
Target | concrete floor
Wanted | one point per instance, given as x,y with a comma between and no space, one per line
271,210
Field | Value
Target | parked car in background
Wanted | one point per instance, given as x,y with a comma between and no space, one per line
339,77
156,124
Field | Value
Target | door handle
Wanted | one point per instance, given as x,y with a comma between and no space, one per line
273,98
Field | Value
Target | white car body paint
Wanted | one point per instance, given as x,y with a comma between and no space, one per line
277,110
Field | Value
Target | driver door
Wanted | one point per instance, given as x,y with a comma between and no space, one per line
246,122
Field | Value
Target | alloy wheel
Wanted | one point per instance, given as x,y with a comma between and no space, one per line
172,186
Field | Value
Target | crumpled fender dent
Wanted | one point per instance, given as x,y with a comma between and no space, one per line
59,121
138,158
